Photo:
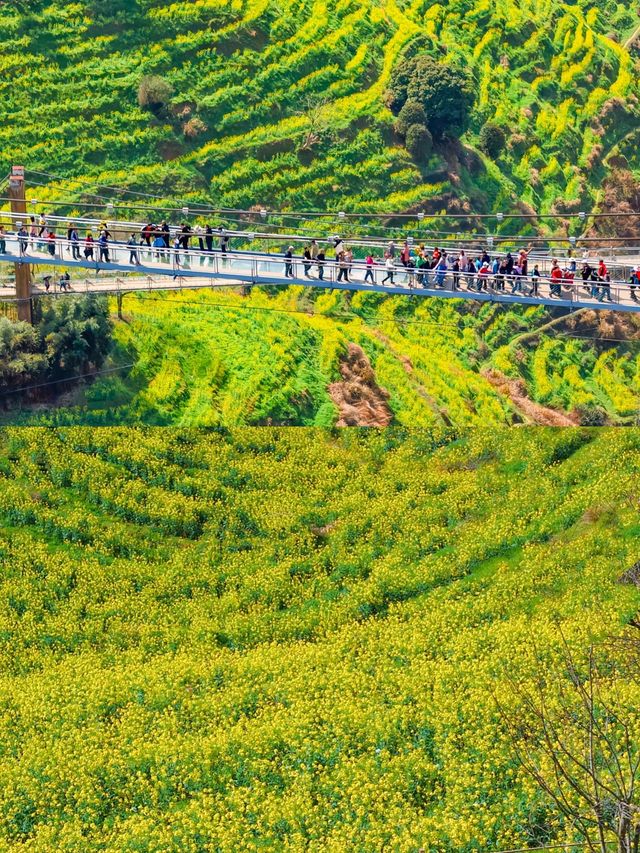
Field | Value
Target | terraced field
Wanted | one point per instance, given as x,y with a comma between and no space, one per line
293,639
281,104
223,359
289,99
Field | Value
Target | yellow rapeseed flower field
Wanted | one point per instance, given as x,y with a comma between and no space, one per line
292,640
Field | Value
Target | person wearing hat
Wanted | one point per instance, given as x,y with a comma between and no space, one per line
288,263
635,281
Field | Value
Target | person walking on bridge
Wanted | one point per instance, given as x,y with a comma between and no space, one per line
88,246
145,234
605,279
370,263
390,267
33,232
42,232
343,267
199,232
51,242
224,245
423,268
3,241
23,240
288,263
159,246
634,281
176,256
75,244
132,243
103,246
306,263
320,260
440,270
208,238
556,277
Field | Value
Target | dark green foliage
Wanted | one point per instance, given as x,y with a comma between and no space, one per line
396,94
76,334
445,92
492,139
411,113
104,11
20,360
419,142
70,337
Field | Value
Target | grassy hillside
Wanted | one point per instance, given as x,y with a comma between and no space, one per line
281,102
276,639
221,359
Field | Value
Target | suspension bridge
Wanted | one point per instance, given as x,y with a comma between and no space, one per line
121,266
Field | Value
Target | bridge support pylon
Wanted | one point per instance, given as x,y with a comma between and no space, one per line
23,270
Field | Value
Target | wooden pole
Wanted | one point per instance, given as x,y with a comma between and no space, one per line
23,270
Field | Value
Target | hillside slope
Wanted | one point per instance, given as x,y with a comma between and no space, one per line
281,102
223,359
291,639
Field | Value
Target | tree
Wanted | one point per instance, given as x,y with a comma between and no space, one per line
445,92
492,139
76,335
573,734
20,359
396,94
154,93
411,113
419,142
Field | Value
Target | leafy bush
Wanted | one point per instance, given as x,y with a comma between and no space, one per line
194,127
446,94
492,139
20,360
411,113
154,93
419,142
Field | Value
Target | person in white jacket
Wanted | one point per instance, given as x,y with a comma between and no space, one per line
390,268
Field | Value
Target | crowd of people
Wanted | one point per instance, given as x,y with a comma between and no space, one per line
158,241
421,267
412,266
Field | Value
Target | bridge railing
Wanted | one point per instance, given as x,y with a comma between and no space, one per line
619,257
269,268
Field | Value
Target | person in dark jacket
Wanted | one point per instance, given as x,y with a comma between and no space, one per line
288,263
306,263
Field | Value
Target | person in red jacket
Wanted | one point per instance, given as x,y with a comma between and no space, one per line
556,279
605,279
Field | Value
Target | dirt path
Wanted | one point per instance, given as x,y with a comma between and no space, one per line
632,37
360,400
533,412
